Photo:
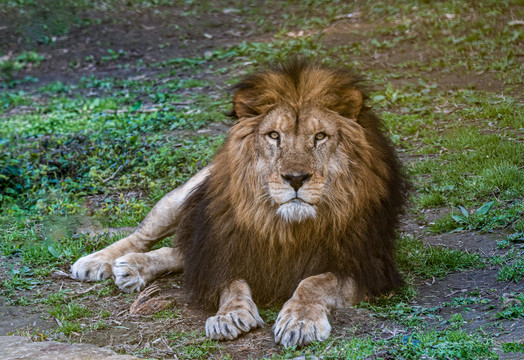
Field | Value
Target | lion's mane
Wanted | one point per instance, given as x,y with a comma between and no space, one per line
230,229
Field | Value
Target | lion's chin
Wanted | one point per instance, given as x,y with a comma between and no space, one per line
296,211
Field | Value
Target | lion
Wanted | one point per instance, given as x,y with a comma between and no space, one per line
301,203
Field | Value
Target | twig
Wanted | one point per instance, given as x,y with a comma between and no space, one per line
114,174
88,290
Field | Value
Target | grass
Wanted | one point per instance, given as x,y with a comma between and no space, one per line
512,271
429,344
514,308
104,149
189,345
513,347
416,258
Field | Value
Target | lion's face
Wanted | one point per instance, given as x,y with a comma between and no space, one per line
297,157
299,152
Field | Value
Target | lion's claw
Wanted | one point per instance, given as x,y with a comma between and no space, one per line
230,325
127,275
92,267
296,325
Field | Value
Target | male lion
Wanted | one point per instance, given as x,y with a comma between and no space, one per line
300,203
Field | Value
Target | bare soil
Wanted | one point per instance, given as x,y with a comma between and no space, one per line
138,34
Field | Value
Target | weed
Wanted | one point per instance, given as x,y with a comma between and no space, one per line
35,335
466,300
67,327
101,325
280,50
70,311
18,280
269,315
419,344
113,55
406,314
9,66
472,222
57,298
482,219
450,344
513,307
191,346
167,314
513,271
513,347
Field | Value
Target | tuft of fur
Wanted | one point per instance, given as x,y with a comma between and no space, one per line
232,230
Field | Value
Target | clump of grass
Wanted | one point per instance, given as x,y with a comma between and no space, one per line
191,346
513,347
269,315
9,66
167,314
418,344
514,307
484,218
448,344
70,311
417,258
67,316
512,271
402,312
280,50
477,165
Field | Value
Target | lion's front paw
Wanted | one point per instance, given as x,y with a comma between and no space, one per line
94,267
301,324
127,271
230,324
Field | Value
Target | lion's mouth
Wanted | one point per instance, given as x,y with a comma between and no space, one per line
296,210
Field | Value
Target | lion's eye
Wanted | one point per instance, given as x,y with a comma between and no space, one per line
320,136
274,135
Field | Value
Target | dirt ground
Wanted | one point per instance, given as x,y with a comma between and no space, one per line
131,333
139,37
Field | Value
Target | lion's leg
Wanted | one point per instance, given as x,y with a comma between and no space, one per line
161,222
304,317
133,271
237,313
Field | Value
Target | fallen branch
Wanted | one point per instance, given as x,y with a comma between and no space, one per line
114,174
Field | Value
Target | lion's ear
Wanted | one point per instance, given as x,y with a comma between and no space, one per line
243,103
350,103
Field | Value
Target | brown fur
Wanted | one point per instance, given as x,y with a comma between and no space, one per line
230,229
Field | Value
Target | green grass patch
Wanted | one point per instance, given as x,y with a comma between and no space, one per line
404,313
416,258
513,270
473,168
192,345
513,307
484,218
420,344
513,347
70,311
167,314
21,279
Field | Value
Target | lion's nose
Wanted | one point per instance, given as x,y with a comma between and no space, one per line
296,180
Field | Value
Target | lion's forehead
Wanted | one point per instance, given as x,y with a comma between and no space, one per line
307,121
